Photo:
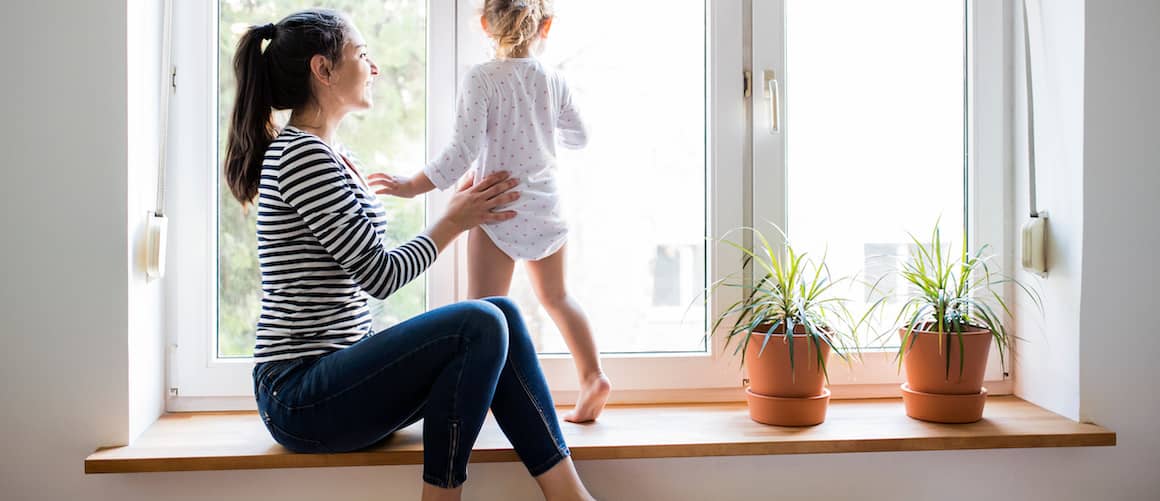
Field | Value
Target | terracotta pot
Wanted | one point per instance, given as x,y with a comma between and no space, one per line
926,361
944,408
770,373
782,396
788,411
938,393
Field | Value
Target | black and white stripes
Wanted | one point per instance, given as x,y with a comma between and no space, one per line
319,248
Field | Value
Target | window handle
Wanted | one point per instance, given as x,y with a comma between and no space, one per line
771,93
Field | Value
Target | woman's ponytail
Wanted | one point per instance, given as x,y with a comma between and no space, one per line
277,78
251,124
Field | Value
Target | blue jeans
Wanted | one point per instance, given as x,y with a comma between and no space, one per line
447,366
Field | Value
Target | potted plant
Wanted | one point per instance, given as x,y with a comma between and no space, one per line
946,327
788,323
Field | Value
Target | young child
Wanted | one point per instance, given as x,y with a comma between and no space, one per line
510,114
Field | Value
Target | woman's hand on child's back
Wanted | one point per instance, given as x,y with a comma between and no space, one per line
473,204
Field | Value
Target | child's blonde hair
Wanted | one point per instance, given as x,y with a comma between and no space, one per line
513,24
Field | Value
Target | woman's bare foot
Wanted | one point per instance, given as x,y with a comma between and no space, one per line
562,483
432,493
593,394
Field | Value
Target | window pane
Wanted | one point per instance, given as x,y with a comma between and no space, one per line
634,198
390,134
875,137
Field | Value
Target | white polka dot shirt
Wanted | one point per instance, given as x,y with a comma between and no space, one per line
510,115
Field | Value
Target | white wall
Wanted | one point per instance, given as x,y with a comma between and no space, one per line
63,361
66,293
146,344
1047,359
1119,349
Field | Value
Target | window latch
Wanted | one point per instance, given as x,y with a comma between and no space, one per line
771,93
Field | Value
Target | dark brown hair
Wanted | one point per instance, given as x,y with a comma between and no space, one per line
277,78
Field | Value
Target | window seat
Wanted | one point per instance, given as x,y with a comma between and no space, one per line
237,440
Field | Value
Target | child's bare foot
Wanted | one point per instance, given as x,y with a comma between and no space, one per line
593,394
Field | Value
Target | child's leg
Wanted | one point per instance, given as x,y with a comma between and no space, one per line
547,276
489,270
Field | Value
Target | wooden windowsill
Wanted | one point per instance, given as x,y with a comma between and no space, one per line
238,440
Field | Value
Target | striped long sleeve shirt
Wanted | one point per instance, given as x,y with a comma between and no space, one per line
321,251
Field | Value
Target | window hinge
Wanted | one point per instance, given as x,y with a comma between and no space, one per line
748,85
173,391
173,78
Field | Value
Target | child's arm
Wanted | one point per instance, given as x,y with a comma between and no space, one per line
470,132
572,132
386,184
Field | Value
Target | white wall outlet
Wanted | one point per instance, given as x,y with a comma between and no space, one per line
155,236
1035,245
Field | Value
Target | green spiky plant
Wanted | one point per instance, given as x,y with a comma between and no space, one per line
792,290
952,294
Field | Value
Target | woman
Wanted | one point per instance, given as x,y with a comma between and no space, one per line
323,382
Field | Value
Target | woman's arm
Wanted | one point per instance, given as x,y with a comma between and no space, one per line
312,182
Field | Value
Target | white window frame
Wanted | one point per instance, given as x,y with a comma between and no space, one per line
665,376
198,381
987,36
